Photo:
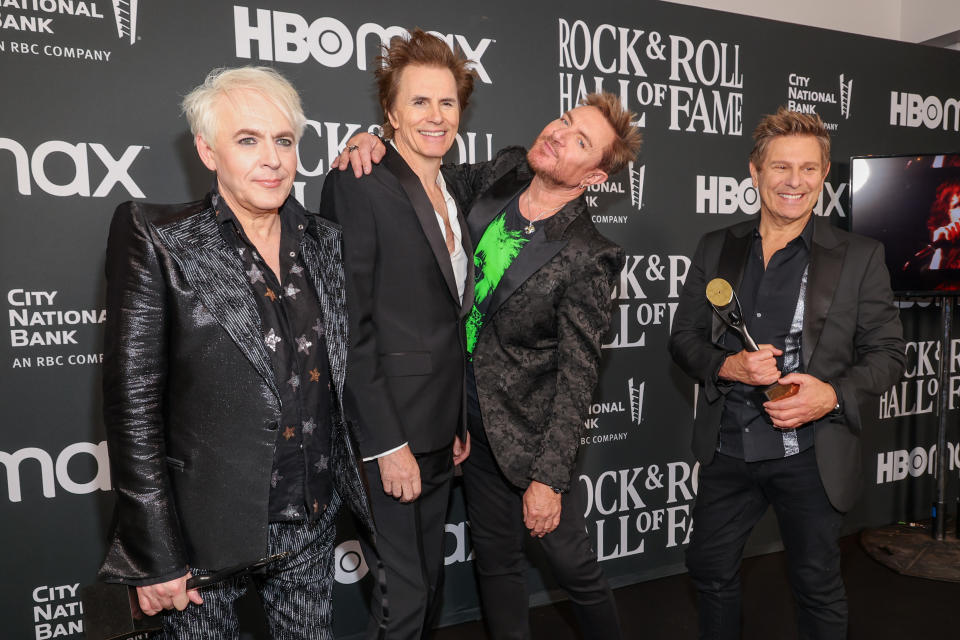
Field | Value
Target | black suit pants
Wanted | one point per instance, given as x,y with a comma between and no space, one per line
410,546
495,508
732,497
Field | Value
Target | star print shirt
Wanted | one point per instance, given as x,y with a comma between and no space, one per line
292,329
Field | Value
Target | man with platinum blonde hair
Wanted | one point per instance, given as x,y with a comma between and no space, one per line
224,363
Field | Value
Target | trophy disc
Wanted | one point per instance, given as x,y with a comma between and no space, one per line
719,292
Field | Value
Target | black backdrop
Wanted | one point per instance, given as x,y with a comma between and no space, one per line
90,118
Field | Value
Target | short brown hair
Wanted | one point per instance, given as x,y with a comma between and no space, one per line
424,50
627,139
789,123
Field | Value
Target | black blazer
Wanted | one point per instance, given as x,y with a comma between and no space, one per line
851,337
405,367
190,401
537,356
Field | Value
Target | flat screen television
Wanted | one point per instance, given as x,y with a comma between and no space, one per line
912,205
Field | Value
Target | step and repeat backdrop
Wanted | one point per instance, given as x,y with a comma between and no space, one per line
90,119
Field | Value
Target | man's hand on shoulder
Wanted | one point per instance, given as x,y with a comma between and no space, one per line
362,151
541,509
814,400
756,368
400,474
173,594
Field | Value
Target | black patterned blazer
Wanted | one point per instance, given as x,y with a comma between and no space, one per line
191,406
537,356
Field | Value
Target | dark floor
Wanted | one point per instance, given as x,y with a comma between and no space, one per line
883,604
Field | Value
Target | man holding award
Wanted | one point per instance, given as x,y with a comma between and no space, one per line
786,323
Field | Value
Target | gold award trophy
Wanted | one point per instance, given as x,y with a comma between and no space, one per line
724,301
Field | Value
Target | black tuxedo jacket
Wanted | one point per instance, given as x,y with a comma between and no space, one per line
405,367
190,401
851,337
537,356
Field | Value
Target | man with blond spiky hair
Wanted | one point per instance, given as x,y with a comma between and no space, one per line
223,372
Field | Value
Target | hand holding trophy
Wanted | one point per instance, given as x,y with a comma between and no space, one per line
724,301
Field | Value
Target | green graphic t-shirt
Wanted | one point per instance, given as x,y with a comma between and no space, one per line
498,248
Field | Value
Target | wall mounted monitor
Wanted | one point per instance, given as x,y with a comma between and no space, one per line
912,205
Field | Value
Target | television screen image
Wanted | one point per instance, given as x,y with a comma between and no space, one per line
912,205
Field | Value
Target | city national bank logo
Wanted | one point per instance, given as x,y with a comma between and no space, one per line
632,406
595,195
125,13
698,83
37,321
806,96
846,91
282,36
913,110
53,609
725,195
43,17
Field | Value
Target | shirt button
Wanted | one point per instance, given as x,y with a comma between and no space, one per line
299,227
746,429
293,253
759,315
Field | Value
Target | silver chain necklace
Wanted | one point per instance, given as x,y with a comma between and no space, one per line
530,229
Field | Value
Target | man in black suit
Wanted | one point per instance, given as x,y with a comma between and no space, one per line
541,305
817,300
225,354
406,252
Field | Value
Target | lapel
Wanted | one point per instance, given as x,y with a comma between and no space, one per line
320,248
467,241
534,256
493,199
733,260
826,260
428,219
216,274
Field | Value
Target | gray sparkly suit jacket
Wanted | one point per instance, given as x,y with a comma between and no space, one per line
191,406
851,337
537,355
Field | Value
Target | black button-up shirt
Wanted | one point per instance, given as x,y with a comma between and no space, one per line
292,326
772,301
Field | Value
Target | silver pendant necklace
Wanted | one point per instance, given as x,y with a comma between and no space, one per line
530,229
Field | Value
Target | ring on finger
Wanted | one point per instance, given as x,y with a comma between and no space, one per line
352,148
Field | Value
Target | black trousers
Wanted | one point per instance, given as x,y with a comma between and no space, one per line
732,497
410,546
495,509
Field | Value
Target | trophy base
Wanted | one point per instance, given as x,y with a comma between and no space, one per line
780,391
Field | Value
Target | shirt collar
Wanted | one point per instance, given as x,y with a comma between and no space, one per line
806,236
291,217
